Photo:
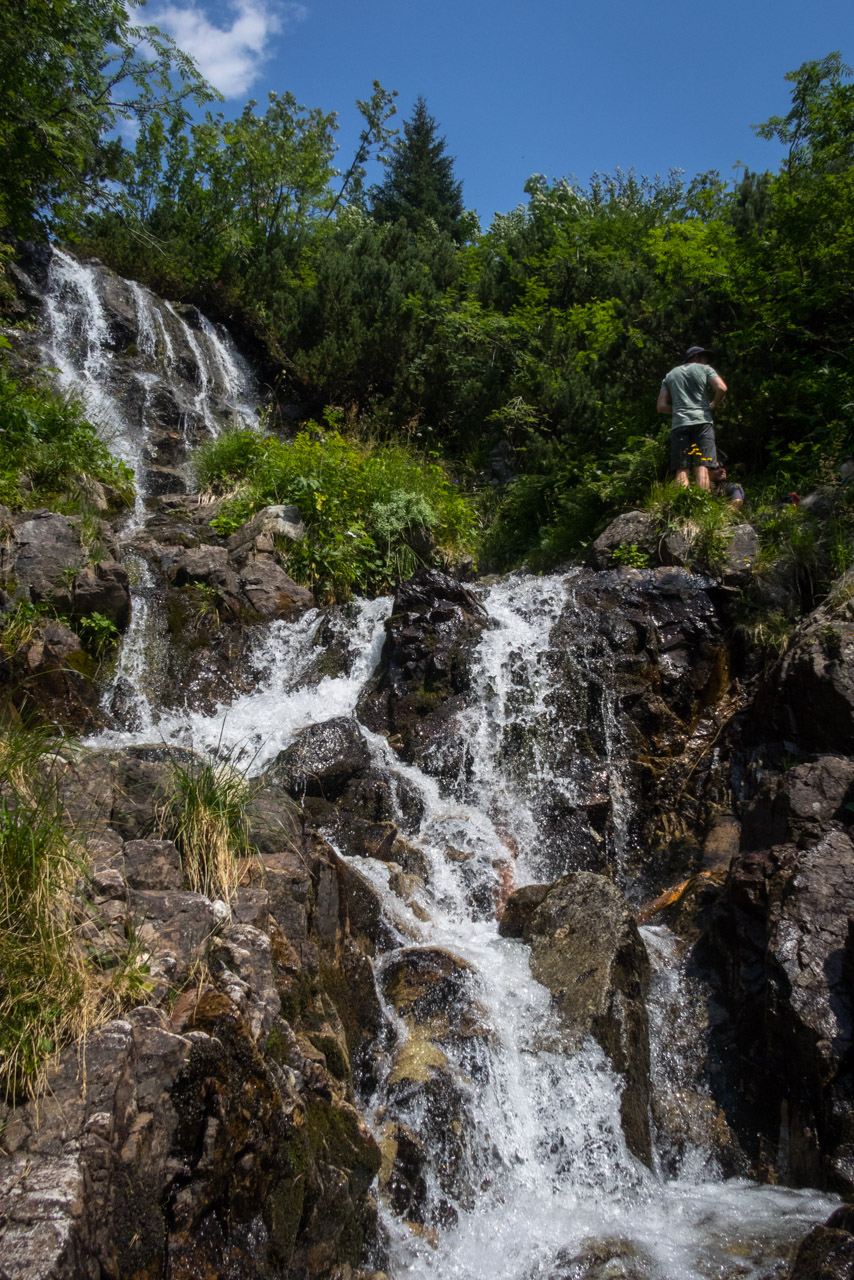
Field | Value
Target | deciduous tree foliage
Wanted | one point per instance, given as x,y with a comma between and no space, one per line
69,73
549,331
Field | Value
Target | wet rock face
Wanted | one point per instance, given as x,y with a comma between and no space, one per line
428,1090
827,1253
424,672
809,700
586,949
781,936
638,661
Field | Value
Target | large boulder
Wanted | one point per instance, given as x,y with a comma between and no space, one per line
827,1253
632,529
40,556
586,949
322,759
423,678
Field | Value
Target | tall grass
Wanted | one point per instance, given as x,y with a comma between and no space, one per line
206,815
51,991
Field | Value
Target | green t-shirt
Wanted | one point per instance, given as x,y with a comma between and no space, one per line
690,390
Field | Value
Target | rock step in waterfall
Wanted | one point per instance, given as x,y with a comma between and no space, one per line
559,1095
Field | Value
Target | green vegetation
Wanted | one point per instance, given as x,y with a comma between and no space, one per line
373,514
206,816
545,334
419,187
51,989
69,74
48,451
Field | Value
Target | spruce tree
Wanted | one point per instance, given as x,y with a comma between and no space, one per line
419,186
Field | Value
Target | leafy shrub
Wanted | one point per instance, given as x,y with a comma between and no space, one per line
46,437
631,555
370,513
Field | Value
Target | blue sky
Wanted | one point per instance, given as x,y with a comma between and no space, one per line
551,86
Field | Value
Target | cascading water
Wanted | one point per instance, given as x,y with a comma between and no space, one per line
82,340
91,316
530,1176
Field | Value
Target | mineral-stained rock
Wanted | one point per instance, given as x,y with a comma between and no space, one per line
586,949
603,1259
433,992
827,1253
781,937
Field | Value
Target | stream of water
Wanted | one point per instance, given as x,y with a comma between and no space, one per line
547,1185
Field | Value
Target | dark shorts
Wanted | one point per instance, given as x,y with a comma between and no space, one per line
693,447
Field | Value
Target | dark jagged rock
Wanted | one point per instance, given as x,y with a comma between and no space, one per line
800,805
215,1133
432,991
423,677
633,529
586,949
808,700
827,1253
781,936
49,675
102,588
322,760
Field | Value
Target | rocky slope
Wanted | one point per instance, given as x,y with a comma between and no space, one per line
219,1126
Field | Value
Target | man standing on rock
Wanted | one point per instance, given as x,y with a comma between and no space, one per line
689,393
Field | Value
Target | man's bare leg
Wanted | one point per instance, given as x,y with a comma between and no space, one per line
681,478
703,481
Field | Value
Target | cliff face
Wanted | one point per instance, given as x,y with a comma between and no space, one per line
348,1036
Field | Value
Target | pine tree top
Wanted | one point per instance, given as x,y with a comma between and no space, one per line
420,186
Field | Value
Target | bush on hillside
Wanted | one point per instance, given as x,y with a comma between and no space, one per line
373,515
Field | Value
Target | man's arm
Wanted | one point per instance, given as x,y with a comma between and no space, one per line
665,404
720,389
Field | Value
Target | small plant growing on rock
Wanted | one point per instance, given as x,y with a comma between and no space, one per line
630,555
98,632
206,816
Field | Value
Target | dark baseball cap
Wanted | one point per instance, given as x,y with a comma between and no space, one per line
698,351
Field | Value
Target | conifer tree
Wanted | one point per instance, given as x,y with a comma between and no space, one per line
419,186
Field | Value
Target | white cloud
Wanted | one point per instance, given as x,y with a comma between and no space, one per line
230,57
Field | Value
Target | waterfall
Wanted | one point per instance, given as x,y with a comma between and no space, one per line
94,315
164,376
539,1177
526,1170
